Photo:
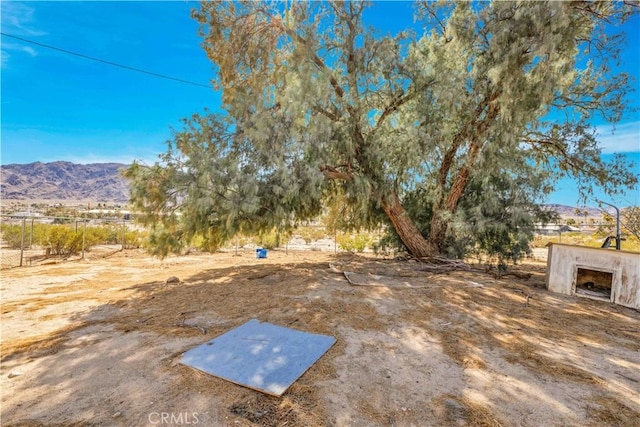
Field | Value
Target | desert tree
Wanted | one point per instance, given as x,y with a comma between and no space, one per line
472,115
211,183
630,220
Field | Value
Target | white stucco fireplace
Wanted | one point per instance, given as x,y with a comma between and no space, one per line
602,274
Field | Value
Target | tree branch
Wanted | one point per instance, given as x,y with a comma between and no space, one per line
447,161
333,117
397,103
551,145
460,183
333,173
314,57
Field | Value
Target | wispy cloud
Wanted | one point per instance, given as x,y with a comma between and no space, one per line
17,19
624,139
19,48
5,58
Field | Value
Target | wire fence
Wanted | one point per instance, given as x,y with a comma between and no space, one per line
34,240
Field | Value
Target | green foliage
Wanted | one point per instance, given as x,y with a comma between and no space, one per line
309,234
498,213
134,239
100,235
321,108
345,212
504,243
63,240
11,235
272,239
606,226
495,218
162,241
357,242
211,184
630,220
67,239
39,233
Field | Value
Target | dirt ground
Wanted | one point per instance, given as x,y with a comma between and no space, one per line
98,343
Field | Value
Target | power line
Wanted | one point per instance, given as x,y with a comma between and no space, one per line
126,67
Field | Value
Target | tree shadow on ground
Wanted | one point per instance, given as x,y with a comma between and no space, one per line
472,354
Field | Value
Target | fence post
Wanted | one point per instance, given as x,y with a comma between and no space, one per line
123,228
84,236
24,223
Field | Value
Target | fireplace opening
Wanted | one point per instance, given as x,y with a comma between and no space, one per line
594,284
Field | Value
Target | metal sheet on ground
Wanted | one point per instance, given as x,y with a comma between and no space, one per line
259,355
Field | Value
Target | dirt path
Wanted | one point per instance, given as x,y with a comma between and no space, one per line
98,343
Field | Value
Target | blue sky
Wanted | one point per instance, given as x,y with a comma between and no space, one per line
61,107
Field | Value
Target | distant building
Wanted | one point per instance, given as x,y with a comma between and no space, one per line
548,229
26,215
106,211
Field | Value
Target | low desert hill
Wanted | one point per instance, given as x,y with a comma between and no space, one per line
572,211
103,182
64,181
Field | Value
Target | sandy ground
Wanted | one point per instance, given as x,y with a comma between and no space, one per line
97,342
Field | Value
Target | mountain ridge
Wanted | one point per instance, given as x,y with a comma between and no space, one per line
103,182
63,180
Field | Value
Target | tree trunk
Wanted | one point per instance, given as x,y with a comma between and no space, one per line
438,231
407,229
439,224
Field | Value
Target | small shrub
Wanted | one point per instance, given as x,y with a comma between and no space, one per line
111,233
134,239
12,235
310,234
39,237
354,243
269,239
208,243
272,239
64,240
97,236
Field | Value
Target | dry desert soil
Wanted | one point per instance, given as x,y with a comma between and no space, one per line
98,342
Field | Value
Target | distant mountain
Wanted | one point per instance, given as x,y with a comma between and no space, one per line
64,181
570,211
102,182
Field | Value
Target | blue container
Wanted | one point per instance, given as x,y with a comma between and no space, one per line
261,253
